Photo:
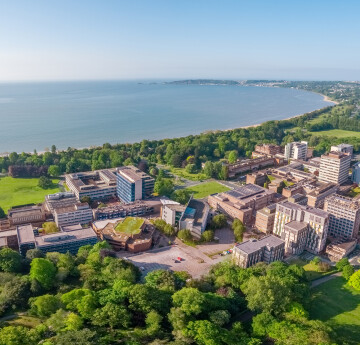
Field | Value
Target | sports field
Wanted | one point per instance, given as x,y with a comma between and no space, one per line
21,191
338,305
130,225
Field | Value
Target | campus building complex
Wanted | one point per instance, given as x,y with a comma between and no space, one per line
334,167
133,184
344,216
269,249
315,220
98,185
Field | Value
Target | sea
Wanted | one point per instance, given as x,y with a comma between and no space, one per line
36,115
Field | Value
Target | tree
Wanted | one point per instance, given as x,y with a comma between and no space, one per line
191,168
233,156
220,317
10,260
182,196
81,337
112,315
43,271
161,279
342,263
190,300
2,213
86,199
54,170
163,186
239,229
354,280
44,305
18,335
205,332
153,323
209,169
45,182
185,235
34,253
219,221
207,236
50,227
169,230
347,271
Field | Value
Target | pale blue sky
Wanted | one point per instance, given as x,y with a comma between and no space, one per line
115,39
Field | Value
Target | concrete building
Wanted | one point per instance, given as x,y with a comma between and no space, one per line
242,202
316,220
133,184
9,239
258,178
138,208
344,216
250,165
295,236
69,239
171,213
79,213
59,200
265,219
26,214
343,148
268,149
269,249
355,176
338,250
298,199
334,167
98,185
317,192
296,150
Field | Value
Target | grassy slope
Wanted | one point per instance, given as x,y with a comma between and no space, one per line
339,306
340,133
20,191
204,189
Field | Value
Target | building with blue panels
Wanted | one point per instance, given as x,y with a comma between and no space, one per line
133,184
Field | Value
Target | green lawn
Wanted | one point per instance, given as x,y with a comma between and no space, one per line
354,192
204,189
21,191
311,270
130,225
338,305
184,174
339,133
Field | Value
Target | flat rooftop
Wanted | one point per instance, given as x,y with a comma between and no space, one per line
132,173
72,208
313,210
247,191
252,246
99,179
296,225
24,211
25,234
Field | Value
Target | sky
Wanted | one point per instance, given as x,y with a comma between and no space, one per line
178,39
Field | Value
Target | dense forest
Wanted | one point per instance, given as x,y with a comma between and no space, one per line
96,298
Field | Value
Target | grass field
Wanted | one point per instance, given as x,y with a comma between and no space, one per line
311,270
21,191
339,133
204,189
184,174
338,305
130,225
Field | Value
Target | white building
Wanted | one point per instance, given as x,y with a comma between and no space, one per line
343,148
79,213
334,167
296,150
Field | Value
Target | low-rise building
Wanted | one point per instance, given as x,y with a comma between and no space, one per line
258,178
59,200
269,249
265,219
26,214
98,185
268,149
242,202
66,240
249,165
338,250
9,239
79,213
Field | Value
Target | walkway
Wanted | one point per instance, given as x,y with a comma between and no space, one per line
322,280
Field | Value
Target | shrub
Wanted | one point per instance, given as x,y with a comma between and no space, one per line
185,235
207,236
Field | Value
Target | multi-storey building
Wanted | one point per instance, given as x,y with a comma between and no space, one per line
98,185
296,150
268,149
59,200
295,236
344,216
133,184
265,219
334,167
25,215
79,213
242,202
316,220
269,249
343,148
67,240
250,165
355,177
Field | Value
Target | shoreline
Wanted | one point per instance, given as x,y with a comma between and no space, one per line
325,98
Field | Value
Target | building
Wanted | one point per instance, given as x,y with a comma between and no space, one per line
296,150
79,213
317,192
26,214
312,165
344,216
334,167
316,220
269,249
295,236
242,202
98,185
268,149
138,208
133,184
355,176
343,148
247,165
298,199
59,200
338,250
9,239
171,213
265,219
131,234
258,178
68,239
